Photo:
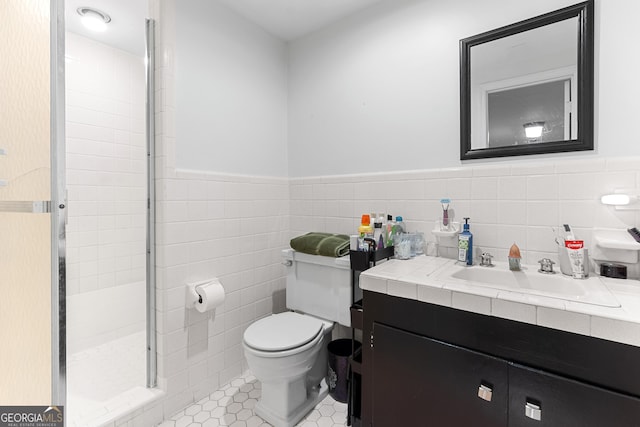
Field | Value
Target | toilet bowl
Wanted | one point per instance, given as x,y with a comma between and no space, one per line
287,352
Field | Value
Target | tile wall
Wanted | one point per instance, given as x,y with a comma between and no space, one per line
516,202
233,227
208,225
106,166
228,227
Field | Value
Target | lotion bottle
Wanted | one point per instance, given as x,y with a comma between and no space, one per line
465,244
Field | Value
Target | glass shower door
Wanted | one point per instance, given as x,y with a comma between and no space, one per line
28,252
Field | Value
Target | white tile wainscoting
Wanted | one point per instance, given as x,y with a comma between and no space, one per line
519,201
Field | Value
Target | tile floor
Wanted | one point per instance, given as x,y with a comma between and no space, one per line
233,404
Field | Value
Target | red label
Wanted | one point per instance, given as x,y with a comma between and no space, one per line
574,244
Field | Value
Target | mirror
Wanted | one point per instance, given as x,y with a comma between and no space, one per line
527,88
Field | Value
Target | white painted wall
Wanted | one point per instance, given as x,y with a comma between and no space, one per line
380,90
231,113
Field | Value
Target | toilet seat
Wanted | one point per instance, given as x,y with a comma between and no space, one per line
282,332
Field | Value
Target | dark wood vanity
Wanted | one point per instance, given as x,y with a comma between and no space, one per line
429,365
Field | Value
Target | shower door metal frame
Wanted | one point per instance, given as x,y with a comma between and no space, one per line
58,207
152,368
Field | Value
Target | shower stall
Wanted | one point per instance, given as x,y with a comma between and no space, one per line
109,240
77,294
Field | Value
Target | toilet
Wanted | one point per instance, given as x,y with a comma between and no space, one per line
287,352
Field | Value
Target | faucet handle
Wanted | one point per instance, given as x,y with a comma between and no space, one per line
485,259
546,266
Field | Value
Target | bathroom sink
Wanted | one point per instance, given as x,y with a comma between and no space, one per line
529,281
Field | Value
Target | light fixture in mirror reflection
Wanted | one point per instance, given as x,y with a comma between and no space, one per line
538,70
533,130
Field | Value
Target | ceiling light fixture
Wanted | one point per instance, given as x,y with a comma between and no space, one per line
94,19
533,130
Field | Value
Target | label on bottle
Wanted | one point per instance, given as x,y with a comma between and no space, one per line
463,247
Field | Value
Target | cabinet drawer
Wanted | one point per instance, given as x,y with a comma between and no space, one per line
556,401
418,381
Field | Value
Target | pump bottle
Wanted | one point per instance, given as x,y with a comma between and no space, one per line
465,244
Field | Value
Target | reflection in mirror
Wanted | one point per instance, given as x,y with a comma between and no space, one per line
527,88
521,79
529,115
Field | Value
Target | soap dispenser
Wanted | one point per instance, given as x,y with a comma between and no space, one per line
465,244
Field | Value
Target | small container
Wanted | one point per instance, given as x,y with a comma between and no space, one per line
563,256
515,258
417,244
402,246
616,271
514,264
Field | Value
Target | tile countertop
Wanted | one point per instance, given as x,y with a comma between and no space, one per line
418,279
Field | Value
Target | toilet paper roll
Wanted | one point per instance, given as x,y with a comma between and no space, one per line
211,295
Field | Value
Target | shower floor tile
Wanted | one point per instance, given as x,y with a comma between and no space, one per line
232,405
106,380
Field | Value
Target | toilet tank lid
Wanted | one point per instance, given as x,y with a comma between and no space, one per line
283,331
341,262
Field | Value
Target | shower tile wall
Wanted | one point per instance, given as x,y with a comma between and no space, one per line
106,181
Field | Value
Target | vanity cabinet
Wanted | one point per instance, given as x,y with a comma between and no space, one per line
421,381
427,365
564,402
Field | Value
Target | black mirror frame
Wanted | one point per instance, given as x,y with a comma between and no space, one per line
585,13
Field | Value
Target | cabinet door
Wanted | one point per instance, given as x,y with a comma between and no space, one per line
419,381
558,401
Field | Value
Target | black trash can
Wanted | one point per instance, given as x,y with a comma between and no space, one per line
338,370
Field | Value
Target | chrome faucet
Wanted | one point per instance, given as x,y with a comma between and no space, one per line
485,259
546,266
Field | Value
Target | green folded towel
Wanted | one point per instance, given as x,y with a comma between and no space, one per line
325,244
335,246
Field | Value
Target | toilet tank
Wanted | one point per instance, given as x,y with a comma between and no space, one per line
319,285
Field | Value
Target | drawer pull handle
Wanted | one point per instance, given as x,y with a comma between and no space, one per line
485,392
533,411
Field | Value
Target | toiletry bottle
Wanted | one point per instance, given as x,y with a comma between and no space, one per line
364,231
465,244
399,227
388,233
445,214
377,232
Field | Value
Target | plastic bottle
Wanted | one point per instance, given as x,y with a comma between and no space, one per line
364,231
399,227
388,232
465,244
377,231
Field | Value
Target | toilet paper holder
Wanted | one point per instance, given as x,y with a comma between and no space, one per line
193,297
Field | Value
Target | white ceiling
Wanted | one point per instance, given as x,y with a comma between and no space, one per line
291,19
285,19
126,29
